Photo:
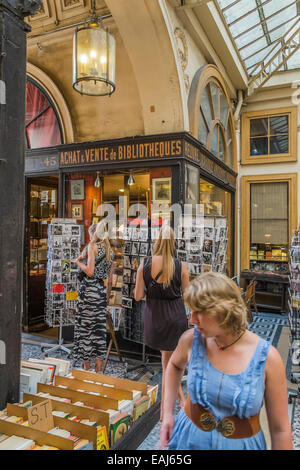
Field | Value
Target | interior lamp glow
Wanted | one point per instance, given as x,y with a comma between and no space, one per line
98,183
94,58
130,180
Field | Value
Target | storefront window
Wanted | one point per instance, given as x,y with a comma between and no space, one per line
83,198
217,203
43,206
269,226
42,127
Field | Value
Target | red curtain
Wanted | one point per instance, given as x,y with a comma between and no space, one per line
42,128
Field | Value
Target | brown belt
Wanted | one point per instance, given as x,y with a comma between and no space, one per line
232,427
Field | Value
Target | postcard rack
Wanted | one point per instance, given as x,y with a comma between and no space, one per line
294,305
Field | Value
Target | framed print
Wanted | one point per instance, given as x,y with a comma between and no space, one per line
161,190
95,220
94,206
191,184
77,211
77,190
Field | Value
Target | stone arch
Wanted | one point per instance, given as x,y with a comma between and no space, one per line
206,74
57,98
147,35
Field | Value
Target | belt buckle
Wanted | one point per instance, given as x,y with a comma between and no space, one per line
207,421
226,427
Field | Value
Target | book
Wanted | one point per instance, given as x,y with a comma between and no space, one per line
37,367
51,368
36,376
119,427
140,407
25,384
102,440
63,365
126,406
3,437
83,444
16,443
152,392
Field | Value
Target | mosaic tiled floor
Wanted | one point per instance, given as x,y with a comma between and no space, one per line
268,326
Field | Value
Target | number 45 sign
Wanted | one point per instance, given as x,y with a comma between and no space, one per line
40,416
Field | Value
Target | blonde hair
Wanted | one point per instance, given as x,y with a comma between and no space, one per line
100,236
165,246
216,295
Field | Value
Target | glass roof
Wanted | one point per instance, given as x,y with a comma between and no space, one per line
259,27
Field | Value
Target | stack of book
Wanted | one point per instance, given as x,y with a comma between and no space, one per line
34,371
89,411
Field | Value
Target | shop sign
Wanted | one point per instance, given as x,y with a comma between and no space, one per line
44,163
40,416
124,152
209,165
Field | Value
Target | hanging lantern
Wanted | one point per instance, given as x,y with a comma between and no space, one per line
94,59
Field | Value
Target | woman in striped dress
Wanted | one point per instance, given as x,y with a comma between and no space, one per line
90,321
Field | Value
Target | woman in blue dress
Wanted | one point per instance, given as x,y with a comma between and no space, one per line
230,372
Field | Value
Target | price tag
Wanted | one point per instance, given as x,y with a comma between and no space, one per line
40,416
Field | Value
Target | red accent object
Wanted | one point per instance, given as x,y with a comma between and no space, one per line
58,288
41,124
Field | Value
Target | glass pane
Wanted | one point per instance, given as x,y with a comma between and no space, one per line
279,144
229,153
202,129
224,111
269,231
217,202
205,106
245,24
214,90
221,154
258,127
259,146
35,101
269,200
44,131
279,125
278,17
214,141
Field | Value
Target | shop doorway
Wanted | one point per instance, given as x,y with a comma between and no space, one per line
42,206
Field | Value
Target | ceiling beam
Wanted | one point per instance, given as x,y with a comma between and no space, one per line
266,70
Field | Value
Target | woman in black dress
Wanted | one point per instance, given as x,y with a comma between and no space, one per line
165,278
90,320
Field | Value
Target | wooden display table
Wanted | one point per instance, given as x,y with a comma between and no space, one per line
269,276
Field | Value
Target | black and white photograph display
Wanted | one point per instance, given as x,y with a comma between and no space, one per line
294,298
137,245
202,244
61,281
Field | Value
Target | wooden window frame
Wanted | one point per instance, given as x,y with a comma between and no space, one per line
292,156
246,181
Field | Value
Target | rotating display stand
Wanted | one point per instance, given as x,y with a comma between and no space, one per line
61,282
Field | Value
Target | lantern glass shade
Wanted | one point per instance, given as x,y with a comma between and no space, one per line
94,59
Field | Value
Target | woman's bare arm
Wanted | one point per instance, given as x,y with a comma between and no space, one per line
174,373
90,267
139,291
185,277
276,400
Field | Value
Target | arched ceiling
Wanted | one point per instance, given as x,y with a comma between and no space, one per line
148,64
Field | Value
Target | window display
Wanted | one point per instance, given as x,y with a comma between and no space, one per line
269,227
218,202
43,206
132,241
